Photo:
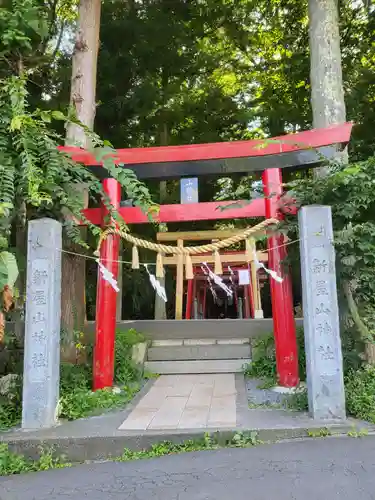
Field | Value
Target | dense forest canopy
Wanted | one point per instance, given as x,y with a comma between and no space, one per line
206,70
178,72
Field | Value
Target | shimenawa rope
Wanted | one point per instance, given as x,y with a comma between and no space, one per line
186,251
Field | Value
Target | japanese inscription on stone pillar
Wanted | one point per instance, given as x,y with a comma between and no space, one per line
321,320
42,325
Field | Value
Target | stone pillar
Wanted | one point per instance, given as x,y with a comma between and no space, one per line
325,381
42,325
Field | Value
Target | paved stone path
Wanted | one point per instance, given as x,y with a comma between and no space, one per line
315,469
186,402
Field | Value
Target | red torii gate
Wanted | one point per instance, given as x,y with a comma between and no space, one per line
304,149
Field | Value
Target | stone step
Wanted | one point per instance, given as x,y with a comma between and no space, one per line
196,366
198,352
190,342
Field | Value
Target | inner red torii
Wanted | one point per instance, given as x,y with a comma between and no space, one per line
304,149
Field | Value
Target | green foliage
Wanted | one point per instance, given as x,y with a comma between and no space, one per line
35,173
360,393
349,190
83,403
77,400
319,433
75,377
8,270
263,364
11,406
14,463
125,369
76,397
36,178
238,440
297,401
23,23
358,433
174,77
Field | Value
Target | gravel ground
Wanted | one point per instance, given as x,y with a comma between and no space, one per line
264,397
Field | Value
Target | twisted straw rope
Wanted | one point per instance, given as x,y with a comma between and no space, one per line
167,249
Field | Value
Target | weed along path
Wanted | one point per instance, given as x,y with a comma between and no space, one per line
313,469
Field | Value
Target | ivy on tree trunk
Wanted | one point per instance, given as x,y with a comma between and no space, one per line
83,102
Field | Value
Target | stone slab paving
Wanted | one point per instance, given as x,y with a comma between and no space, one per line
186,402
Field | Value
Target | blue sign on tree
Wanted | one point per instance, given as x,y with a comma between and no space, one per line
189,190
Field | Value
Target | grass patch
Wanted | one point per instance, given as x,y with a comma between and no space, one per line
322,432
360,393
357,433
263,364
239,440
14,463
83,403
297,401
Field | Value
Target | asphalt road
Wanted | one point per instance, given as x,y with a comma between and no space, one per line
315,469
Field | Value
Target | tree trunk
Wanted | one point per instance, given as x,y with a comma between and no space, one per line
84,70
21,245
327,94
83,99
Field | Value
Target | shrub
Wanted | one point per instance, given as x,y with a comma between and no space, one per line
263,363
13,463
125,370
74,377
83,402
11,405
360,393
76,397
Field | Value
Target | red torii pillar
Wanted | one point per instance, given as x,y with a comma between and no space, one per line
284,326
105,324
